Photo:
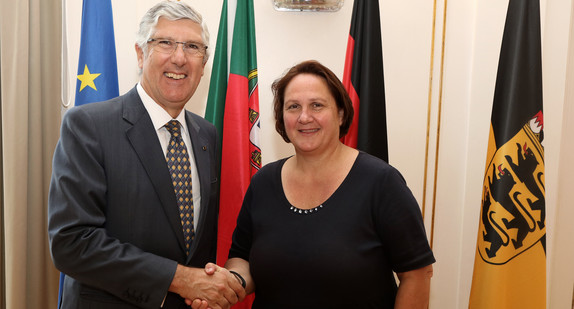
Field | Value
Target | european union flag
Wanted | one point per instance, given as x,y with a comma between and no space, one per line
97,67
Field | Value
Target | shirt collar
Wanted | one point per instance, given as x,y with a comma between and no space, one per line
158,115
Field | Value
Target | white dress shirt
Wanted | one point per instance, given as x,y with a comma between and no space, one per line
159,118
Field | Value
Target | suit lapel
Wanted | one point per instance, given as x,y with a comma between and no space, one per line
143,138
200,147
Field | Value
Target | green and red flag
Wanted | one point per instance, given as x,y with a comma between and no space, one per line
233,107
363,79
510,260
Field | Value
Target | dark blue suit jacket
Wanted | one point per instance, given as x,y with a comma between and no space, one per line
113,222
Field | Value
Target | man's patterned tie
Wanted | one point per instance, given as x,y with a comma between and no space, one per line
178,163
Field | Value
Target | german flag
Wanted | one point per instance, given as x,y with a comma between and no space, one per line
510,260
363,79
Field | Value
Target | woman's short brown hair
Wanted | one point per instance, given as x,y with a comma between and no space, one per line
334,85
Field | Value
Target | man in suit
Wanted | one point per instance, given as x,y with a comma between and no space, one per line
114,221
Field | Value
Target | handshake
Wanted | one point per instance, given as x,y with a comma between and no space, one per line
211,288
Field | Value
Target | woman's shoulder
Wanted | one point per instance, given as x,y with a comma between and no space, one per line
368,164
368,161
269,170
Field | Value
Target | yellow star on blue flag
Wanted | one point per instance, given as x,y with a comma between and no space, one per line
97,54
87,79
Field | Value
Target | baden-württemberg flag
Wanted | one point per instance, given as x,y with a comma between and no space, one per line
510,261
363,79
97,66
233,107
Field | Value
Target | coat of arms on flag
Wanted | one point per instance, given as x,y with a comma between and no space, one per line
510,260
513,212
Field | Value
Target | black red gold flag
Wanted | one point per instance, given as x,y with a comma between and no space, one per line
363,79
510,260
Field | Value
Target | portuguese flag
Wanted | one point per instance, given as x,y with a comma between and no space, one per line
363,79
510,260
233,107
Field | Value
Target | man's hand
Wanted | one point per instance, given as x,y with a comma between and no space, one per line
210,269
197,304
218,290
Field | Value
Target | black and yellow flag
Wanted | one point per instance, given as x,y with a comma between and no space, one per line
510,261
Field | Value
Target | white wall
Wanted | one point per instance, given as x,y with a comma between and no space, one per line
440,63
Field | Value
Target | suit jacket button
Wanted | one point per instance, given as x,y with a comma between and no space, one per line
204,148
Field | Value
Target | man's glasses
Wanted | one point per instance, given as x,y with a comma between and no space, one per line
167,46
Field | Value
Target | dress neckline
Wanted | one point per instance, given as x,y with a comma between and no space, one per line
301,211
305,211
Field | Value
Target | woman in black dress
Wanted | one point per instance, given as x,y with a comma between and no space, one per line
330,226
